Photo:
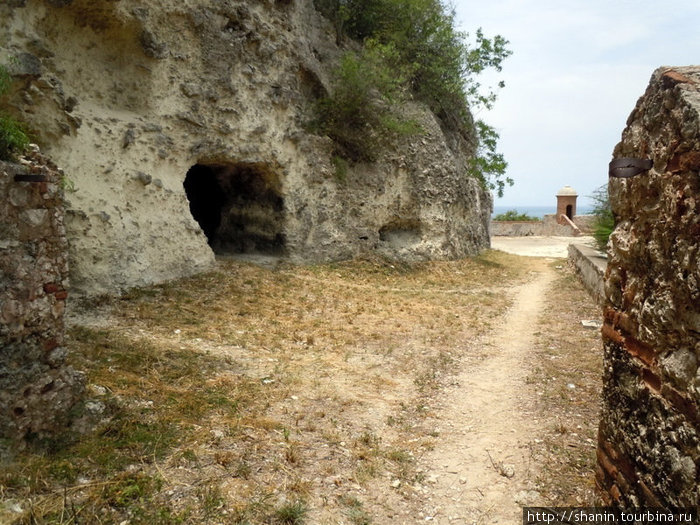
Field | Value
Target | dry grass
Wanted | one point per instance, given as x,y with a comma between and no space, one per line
250,395
567,383
293,395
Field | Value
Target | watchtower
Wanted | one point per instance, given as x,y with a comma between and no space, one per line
566,203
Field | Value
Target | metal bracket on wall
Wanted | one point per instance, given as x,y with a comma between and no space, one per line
628,167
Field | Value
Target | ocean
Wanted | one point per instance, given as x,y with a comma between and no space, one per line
537,211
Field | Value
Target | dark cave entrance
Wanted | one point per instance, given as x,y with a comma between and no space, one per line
238,206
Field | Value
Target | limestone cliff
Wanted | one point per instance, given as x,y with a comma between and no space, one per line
144,104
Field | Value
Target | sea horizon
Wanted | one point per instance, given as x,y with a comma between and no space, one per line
536,211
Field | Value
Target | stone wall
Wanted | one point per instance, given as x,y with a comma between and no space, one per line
649,446
548,226
590,266
37,389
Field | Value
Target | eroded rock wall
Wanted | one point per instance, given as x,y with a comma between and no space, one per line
649,451
127,96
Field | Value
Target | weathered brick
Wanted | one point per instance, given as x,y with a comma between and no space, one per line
51,288
50,344
604,461
610,333
640,350
649,418
651,380
681,403
650,498
615,493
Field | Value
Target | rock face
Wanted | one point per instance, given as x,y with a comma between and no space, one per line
158,111
37,389
649,451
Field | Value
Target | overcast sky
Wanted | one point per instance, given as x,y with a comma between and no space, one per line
576,72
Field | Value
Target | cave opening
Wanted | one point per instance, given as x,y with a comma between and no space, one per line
238,206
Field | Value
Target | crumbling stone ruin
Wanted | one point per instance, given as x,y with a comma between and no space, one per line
37,389
649,447
184,128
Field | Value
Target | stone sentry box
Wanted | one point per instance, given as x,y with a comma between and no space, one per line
649,448
37,389
566,204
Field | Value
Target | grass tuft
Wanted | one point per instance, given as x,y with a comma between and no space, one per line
291,513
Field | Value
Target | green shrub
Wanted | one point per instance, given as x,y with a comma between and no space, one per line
13,136
513,215
432,61
604,222
341,168
362,109
291,513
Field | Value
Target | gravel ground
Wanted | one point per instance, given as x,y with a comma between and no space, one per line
538,246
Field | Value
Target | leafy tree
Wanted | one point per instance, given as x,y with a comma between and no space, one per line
488,165
513,215
435,63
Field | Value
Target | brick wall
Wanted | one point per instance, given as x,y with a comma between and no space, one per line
548,226
649,448
37,389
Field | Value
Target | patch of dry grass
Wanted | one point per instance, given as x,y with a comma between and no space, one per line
567,386
250,395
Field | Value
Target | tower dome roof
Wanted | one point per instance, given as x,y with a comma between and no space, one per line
567,191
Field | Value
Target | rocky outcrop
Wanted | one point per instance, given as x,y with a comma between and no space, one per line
130,97
649,451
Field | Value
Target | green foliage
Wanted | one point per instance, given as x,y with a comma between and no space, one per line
5,80
361,111
341,167
13,136
604,223
513,215
427,57
131,488
488,165
291,513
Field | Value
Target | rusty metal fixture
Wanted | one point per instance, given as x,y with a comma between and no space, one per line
21,177
628,167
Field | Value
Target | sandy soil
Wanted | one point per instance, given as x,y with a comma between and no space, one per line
481,470
537,246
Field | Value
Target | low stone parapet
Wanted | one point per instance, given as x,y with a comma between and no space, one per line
516,228
590,265
547,227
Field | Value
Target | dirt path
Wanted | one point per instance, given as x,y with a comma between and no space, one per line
480,470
